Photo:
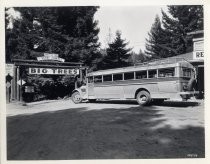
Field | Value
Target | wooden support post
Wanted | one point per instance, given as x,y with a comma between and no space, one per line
86,72
21,85
18,87
80,72
76,82
13,84
7,94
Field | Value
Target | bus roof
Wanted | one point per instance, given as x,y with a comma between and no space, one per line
154,64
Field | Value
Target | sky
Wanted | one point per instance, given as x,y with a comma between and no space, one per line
134,22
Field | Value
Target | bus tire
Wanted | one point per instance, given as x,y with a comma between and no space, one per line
92,100
143,98
76,98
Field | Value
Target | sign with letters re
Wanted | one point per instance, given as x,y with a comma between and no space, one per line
53,71
199,55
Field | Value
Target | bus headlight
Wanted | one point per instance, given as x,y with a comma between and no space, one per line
83,90
185,87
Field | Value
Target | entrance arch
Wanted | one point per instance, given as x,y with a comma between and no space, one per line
46,67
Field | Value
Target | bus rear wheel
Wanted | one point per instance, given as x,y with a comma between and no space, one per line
143,98
76,97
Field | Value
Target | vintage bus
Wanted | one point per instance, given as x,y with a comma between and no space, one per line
156,81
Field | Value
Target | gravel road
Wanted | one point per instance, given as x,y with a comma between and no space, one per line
59,129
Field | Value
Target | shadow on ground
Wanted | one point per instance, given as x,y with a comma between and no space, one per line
179,103
99,134
165,103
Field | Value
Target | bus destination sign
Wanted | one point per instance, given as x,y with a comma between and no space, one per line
53,71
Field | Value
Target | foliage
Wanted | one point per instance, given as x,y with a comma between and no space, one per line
158,42
50,87
172,38
70,32
82,45
185,19
138,57
117,54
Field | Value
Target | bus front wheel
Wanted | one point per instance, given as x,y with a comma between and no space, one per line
76,97
143,98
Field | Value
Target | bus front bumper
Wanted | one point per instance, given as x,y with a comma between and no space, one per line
188,94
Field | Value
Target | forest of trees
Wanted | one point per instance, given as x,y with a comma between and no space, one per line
169,36
72,33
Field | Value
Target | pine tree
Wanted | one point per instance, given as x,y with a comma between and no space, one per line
70,32
139,57
117,53
157,46
35,33
50,34
183,19
142,57
80,26
172,38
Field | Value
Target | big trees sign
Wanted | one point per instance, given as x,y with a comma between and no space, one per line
54,71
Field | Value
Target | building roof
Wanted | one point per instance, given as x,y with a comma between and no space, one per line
195,32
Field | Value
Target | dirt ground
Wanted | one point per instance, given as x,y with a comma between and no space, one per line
59,130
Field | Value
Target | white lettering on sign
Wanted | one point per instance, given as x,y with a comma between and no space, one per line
52,57
53,71
198,55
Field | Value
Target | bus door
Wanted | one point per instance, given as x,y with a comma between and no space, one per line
90,87
200,81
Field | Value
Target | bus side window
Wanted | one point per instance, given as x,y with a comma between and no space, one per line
117,77
152,73
98,79
90,79
128,75
107,77
141,74
166,72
